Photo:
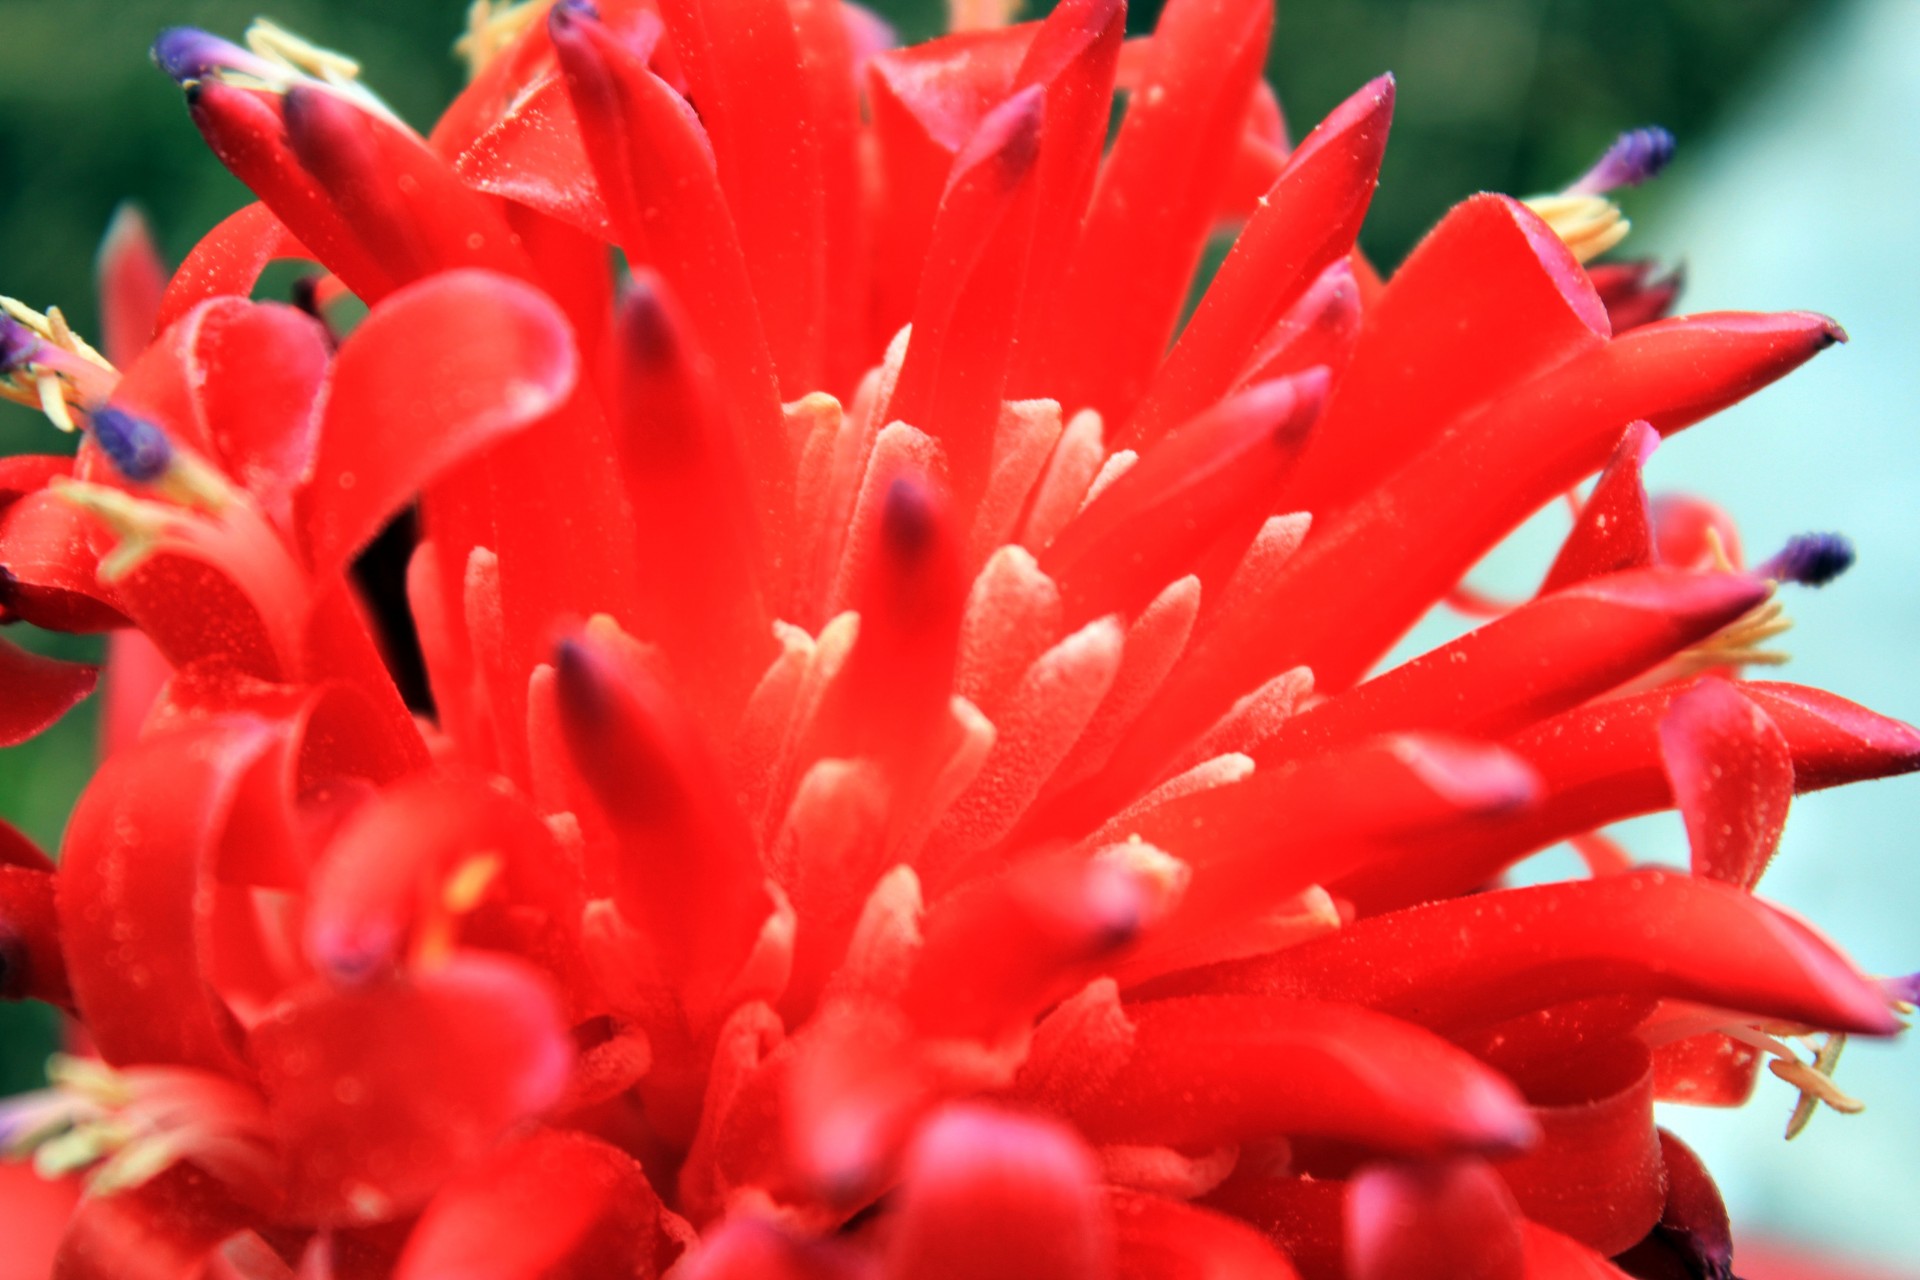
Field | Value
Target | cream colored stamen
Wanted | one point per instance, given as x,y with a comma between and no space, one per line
1589,225
492,28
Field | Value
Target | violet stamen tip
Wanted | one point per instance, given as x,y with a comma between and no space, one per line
1810,559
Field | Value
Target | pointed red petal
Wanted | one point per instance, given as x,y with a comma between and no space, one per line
405,204
1423,360
1615,528
245,130
1304,224
31,964
1478,959
689,488
1155,202
1542,658
1732,776
1201,1074
1212,475
689,873
379,1095
955,372
434,375
131,278
990,1196
656,172
740,55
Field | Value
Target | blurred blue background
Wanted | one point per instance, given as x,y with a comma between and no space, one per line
1796,186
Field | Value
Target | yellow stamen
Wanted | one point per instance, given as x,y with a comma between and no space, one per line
459,895
54,328
277,44
1814,1080
1590,225
138,523
492,27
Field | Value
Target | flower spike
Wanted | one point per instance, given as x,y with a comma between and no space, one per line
901,785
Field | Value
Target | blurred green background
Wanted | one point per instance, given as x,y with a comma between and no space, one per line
1514,95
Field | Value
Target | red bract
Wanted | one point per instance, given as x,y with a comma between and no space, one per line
897,791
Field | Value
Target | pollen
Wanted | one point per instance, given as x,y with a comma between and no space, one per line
60,373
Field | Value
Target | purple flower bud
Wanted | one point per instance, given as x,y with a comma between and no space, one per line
19,345
1634,157
188,54
1810,559
139,450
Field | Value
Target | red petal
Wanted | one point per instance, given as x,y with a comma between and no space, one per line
1166,1240
1615,527
245,131
1732,776
1074,55
1479,959
1209,477
1597,1174
1542,658
1201,1074
989,1196
740,55
135,869
998,953
1552,1256
131,278
1711,1070
1464,493
1154,205
434,375
656,172
1303,225
955,372
926,101
240,382
380,1095
1445,1221
162,1230
228,261
689,488
396,197
38,691
1601,763
558,1206
1423,360
689,875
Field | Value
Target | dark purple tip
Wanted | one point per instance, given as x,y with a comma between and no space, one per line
1810,559
565,13
1904,989
13,972
1634,157
19,345
911,518
188,54
648,334
139,449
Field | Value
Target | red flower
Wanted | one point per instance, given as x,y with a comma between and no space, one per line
871,820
